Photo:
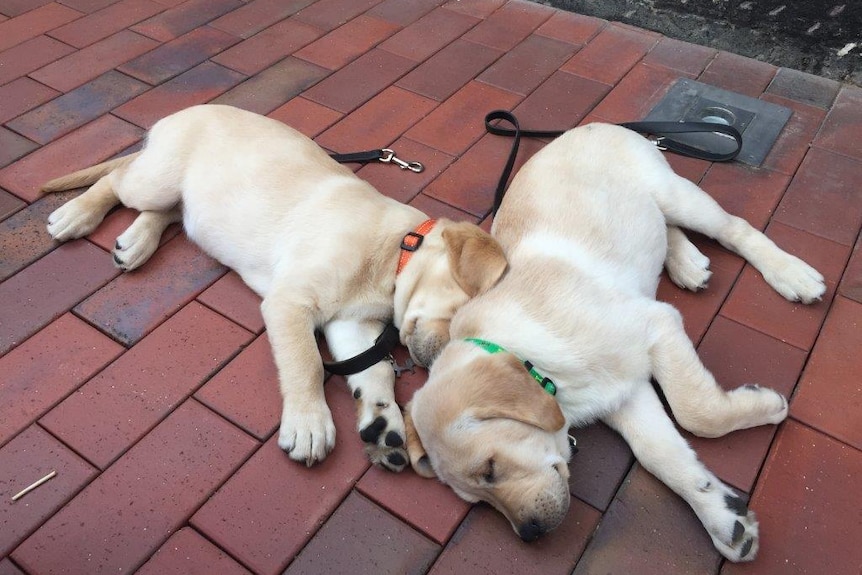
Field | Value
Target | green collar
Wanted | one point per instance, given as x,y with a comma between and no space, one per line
490,347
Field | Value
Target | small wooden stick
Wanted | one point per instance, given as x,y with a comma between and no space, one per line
33,486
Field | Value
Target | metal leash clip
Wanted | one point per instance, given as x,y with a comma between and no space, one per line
657,142
390,157
573,443
399,369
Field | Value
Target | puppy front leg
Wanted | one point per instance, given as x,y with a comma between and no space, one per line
686,205
662,451
307,431
379,419
686,266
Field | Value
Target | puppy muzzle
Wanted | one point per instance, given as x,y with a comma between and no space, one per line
548,512
424,348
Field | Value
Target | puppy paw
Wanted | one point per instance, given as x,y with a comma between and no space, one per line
687,267
794,279
731,526
135,246
757,405
308,435
72,220
393,459
381,427
741,541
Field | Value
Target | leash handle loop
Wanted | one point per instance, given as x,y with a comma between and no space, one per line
658,129
662,129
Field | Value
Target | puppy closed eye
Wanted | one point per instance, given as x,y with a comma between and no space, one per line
489,474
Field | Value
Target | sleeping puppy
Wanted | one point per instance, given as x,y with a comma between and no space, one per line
322,248
586,225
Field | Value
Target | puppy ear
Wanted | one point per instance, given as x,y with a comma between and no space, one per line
506,390
418,458
476,259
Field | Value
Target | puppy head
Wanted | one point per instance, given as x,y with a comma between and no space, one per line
484,427
455,262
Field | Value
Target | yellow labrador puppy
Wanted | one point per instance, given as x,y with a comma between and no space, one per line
317,243
586,225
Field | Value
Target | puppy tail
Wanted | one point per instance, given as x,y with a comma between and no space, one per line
87,176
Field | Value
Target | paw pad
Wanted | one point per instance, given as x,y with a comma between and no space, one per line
396,459
737,505
738,532
746,548
373,430
394,439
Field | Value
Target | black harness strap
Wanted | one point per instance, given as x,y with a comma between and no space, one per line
659,130
383,346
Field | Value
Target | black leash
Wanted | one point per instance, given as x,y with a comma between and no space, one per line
386,341
659,130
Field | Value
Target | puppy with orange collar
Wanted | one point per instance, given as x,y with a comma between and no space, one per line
320,246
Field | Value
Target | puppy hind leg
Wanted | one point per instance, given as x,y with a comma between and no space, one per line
662,451
379,419
80,216
686,266
698,403
686,205
140,240
151,183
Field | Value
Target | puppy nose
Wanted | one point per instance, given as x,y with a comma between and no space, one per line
530,530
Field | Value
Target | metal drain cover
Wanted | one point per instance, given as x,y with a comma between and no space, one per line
759,122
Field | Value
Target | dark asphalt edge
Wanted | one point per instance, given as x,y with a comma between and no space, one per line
760,40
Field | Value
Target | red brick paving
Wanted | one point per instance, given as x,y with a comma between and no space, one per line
482,545
646,530
48,367
153,394
33,454
807,473
90,62
828,397
187,552
22,94
9,204
114,409
77,107
386,548
433,508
